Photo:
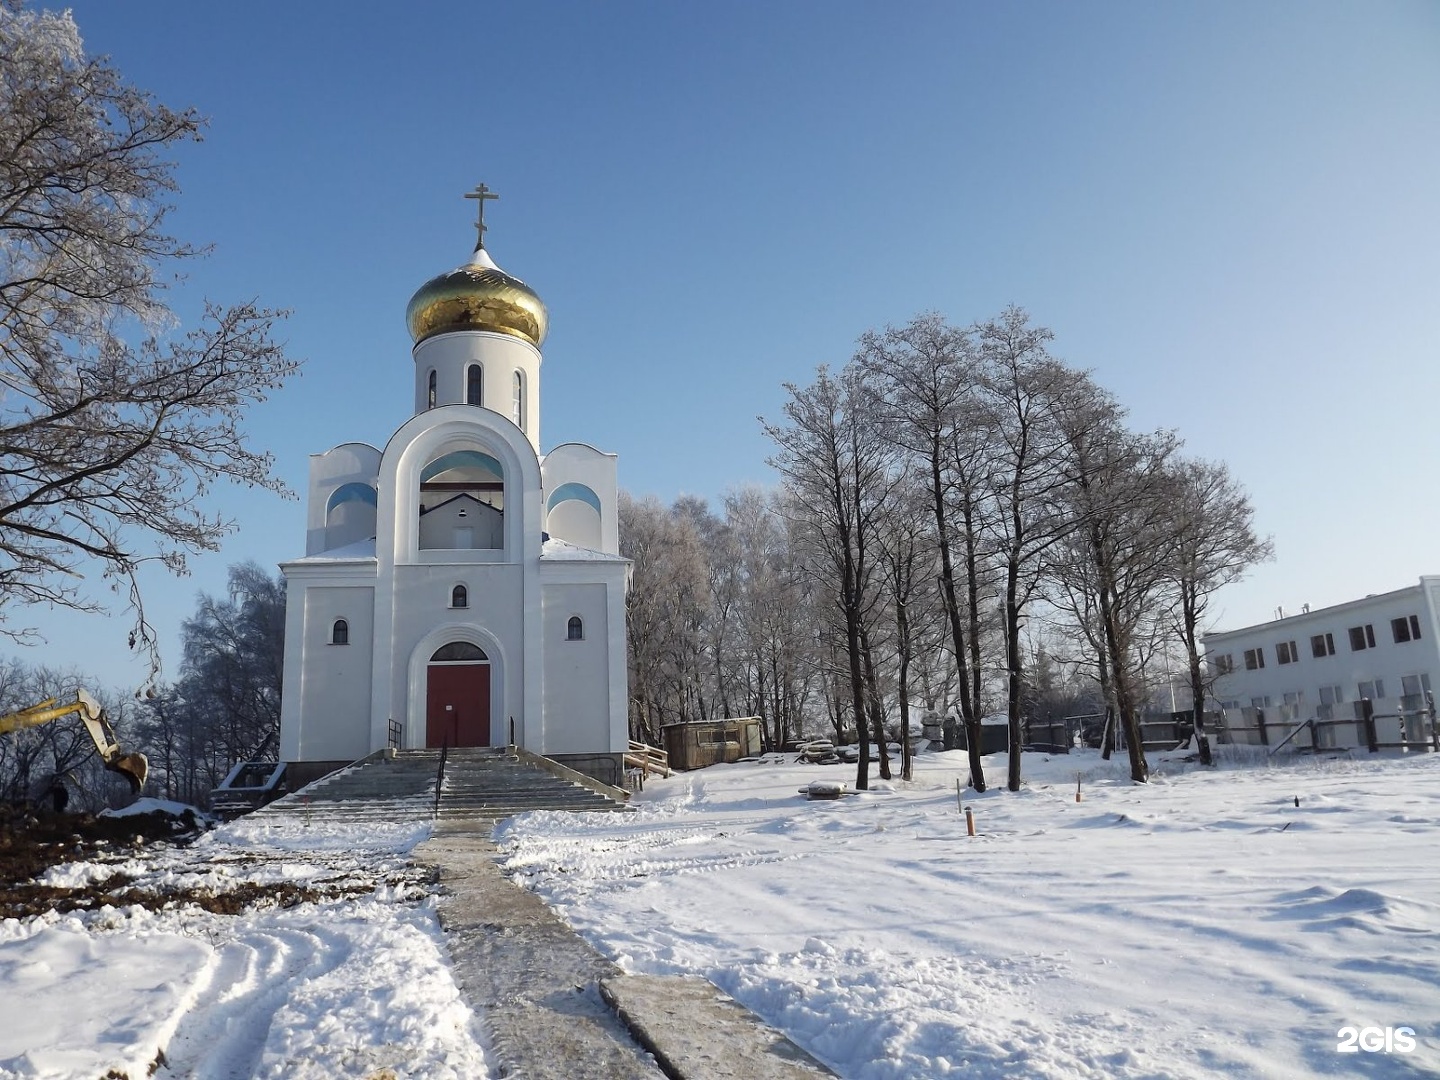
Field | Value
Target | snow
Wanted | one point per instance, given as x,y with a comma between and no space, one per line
355,983
554,549
1202,925
155,806
136,990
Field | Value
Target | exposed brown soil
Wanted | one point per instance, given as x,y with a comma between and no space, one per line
32,842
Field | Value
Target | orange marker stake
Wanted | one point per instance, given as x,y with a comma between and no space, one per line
1077,787
969,821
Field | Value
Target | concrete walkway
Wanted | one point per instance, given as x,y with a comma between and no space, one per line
558,1010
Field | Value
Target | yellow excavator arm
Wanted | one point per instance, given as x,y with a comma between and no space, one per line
134,767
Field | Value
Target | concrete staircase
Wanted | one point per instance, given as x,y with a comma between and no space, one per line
481,784
496,784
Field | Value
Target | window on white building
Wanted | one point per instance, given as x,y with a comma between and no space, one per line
1254,659
1260,702
518,399
1374,690
1405,628
340,633
1362,637
474,385
430,392
1223,664
575,629
1286,652
459,596
1413,690
1330,696
1322,645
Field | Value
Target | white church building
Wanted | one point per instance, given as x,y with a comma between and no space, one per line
459,587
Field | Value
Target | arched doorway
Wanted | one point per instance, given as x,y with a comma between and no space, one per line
457,696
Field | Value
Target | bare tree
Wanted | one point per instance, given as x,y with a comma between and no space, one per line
112,428
1114,566
778,665
225,707
907,550
1028,389
665,615
836,468
1216,544
927,376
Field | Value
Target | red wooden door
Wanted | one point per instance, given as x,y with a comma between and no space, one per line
457,705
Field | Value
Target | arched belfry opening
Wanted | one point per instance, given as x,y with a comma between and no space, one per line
457,696
462,502
350,514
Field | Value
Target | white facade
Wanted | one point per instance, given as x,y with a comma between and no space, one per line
455,582
1385,647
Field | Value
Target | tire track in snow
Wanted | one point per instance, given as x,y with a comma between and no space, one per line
223,1036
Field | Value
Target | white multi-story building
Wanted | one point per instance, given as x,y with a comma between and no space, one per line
1385,647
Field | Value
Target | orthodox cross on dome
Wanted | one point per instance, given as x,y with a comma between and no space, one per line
480,194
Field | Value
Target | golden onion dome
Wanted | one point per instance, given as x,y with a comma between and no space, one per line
477,296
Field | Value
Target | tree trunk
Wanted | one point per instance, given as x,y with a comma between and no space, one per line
902,628
957,632
877,710
1197,675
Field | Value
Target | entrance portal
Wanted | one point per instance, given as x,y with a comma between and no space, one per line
457,697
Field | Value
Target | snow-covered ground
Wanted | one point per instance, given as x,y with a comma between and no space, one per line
352,983
1203,925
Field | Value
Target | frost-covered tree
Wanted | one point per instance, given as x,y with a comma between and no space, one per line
114,424
926,374
1215,544
225,707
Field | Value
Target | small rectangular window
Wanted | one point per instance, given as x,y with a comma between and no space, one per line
1374,690
1254,659
1286,652
1322,645
1262,702
1332,695
1224,664
1405,628
1362,637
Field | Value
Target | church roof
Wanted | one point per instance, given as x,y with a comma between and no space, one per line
557,550
477,296
359,551
478,503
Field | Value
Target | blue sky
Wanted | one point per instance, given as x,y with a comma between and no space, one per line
1227,210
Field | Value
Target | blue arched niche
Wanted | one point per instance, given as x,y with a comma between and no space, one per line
462,459
353,492
580,492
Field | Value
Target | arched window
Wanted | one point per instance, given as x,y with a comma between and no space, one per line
459,652
518,399
459,597
430,399
340,633
575,629
474,385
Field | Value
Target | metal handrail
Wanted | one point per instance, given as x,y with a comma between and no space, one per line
440,777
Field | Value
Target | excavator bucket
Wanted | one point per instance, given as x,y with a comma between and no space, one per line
134,767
